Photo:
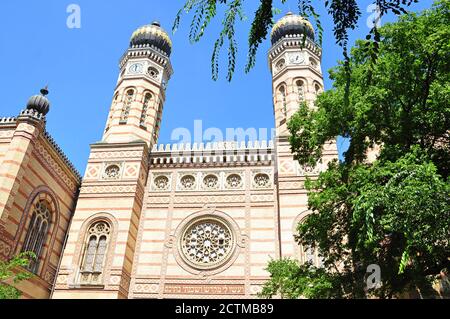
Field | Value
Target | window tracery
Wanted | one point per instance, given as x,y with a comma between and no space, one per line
96,247
234,181
127,106
188,182
262,180
207,243
211,182
37,233
145,106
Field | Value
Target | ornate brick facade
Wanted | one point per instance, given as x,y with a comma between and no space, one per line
175,221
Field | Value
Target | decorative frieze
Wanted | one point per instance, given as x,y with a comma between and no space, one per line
7,134
186,289
116,154
108,189
62,155
55,167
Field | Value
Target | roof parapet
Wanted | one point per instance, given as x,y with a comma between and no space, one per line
213,153
216,146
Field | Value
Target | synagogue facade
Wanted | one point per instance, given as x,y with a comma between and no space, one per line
160,221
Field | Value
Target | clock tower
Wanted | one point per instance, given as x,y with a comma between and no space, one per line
137,106
295,64
294,61
99,256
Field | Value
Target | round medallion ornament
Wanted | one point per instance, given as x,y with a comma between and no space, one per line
262,180
234,181
211,182
112,172
207,243
188,182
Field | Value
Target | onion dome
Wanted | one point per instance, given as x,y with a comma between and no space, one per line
39,103
292,25
152,35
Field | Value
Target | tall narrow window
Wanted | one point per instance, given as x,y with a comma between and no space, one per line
147,99
95,250
300,90
37,233
317,89
310,255
127,106
283,100
158,122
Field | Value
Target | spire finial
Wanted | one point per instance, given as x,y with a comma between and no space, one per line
44,91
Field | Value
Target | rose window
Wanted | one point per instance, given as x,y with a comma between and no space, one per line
188,182
234,181
262,180
162,182
211,181
207,243
112,172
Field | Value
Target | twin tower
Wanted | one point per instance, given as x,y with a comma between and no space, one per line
153,222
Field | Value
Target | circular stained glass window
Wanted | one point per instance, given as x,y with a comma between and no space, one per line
207,243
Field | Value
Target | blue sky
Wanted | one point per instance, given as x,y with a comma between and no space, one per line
81,67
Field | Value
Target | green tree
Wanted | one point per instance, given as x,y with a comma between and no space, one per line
345,15
394,212
11,274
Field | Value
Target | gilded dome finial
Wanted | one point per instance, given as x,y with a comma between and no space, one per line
152,35
292,25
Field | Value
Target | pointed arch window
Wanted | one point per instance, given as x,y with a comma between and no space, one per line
127,106
145,107
283,100
300,90
96,247
37,233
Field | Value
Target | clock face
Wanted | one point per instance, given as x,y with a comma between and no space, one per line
297,58
136,68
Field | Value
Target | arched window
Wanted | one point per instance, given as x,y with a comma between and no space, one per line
158,122
283,100
37,232
300,90
309,254
147,99
111,112
94,257
317,89
127,106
